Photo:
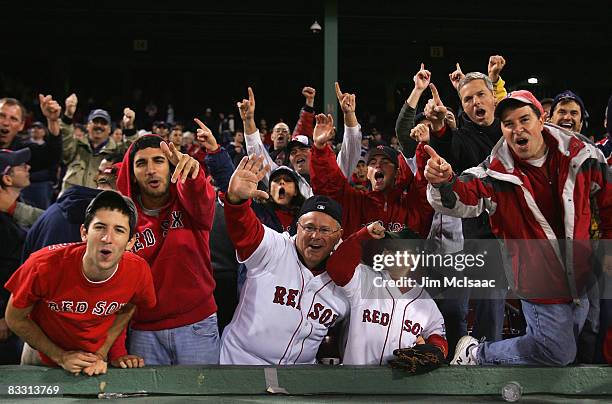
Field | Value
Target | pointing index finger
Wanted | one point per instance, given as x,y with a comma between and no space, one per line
432,153
434,93
458,67
251,95
338,92
201,124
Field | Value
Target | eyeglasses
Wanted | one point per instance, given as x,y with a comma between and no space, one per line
324,231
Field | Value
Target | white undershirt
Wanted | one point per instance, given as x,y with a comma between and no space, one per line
539,162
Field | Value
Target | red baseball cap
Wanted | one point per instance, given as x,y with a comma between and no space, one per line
523,96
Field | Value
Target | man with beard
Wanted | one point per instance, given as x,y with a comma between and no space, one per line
70,302
83,156
175,205
567,111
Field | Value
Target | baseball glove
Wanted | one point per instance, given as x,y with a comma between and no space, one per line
419,359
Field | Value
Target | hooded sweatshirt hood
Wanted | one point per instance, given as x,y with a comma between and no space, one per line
74,201
125,180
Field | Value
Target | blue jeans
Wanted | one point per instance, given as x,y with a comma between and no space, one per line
488,320
552,333
193,344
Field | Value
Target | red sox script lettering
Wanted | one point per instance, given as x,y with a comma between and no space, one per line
319,312
412,328
375,317
101,308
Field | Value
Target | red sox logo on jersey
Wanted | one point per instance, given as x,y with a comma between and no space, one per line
381,318
146,237
290,297
391,226
101,308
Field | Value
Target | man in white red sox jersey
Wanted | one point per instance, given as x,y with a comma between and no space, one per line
288,301
383,317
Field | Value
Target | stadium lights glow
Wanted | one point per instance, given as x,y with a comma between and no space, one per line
532,80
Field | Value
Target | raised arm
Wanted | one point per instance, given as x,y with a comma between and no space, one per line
218,161
496,64
69,143
243,227
254,145
196,194
48,155
466,196
325,175
342,263
350,151
305,124
405,119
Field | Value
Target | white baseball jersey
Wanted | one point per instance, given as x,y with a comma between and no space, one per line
284,310
383,319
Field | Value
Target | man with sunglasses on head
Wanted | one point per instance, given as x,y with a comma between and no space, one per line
288,301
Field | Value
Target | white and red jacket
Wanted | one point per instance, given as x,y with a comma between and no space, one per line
501,188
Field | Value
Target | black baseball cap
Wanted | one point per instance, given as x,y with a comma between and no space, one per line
382,150
106,198
323,204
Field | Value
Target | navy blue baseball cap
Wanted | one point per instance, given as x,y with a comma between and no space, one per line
10,158
568,95
99,113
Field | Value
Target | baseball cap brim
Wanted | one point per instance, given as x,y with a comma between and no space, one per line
15,158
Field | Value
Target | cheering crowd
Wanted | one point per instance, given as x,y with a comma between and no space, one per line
135,246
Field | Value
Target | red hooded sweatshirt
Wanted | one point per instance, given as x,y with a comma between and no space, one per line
175,244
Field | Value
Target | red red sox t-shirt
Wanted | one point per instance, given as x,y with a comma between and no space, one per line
74,312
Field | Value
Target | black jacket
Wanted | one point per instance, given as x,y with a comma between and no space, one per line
467,146
12,237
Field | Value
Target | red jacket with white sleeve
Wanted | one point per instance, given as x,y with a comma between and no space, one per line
547,271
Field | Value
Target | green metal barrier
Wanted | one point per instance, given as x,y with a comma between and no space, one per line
318,380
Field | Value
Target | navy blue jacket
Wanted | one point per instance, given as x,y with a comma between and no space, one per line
61,222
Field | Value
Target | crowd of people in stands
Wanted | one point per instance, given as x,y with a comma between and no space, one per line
239,244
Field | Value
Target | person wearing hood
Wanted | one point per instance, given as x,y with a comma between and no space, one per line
175,203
